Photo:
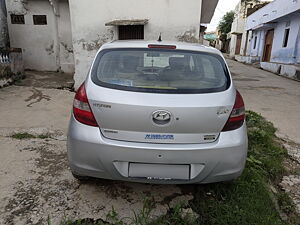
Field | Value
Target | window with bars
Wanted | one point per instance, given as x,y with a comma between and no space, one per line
17,19
130,32
255,42
39,19
286,38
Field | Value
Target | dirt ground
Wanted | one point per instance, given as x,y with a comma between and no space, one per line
36,184
35,179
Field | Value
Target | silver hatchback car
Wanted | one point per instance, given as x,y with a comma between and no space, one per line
158,112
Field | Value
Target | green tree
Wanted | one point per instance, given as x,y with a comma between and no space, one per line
225,25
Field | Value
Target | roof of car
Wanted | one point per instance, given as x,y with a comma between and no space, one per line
144,44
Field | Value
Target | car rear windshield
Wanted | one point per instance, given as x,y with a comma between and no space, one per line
160,71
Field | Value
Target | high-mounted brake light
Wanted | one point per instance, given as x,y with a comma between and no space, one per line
237,116
81,108
162,46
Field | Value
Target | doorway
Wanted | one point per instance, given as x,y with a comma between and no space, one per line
268,45
238,44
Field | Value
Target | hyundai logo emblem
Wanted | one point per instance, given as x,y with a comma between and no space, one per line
161,117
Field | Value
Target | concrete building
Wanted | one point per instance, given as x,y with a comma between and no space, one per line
237,34
51,42
42,29
275,37
101,21
3,25
239,37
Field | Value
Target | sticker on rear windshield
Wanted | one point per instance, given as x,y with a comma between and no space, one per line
159,137
121,82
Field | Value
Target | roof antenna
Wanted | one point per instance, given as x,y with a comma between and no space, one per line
159,38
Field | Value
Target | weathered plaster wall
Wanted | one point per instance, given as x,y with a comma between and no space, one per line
274,10
45,47
3,25
36,41
280,54
239,20
297,48
258,50
232,45
65,38
238,27
176,20
288,54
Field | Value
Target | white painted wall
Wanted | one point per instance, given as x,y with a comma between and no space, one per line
45,47
232,45
3,25
238,23
36,41
271,12
173,18
238,26
289,54
65,38
280,54
258,50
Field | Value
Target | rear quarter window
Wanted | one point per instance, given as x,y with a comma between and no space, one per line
160,71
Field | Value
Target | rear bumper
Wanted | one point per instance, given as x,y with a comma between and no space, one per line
90,154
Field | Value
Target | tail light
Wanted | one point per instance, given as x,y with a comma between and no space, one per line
237,115
81,108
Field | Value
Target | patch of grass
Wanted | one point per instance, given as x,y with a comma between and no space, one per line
248,200
175,216
285,203
43,136
22,136
245,201
84,222
25,135
144,216
264,148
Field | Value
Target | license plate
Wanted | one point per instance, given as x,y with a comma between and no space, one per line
159,171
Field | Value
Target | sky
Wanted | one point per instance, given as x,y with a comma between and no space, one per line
222,7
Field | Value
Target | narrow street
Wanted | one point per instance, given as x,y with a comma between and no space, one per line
35,179
274,97
278,100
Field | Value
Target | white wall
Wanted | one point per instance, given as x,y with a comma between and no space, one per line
36,41
232,45
238,26
175,19
297,47
289,53
65,38
258,50
45,47
280,54
3,25
272,11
